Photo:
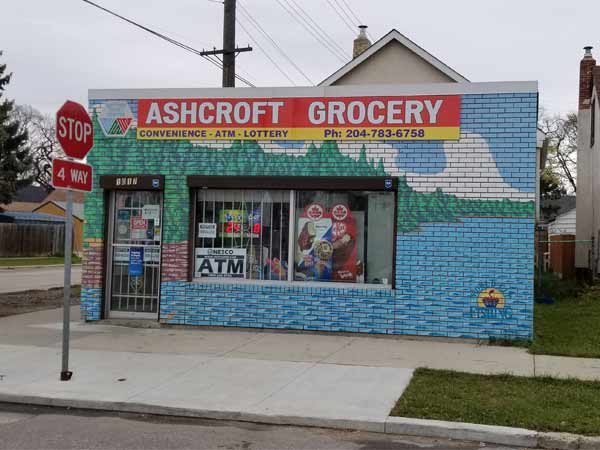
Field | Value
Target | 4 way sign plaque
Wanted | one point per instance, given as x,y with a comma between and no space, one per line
72,175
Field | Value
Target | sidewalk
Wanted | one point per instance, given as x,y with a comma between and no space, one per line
345,378
17,279
42,329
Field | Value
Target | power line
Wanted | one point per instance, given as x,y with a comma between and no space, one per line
277,66
358,21
345,13
303,17
342,17
166,38
273,42
351,12
310,25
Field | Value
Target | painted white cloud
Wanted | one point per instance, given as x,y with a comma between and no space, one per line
470,169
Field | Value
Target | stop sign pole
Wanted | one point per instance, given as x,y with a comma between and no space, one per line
75,133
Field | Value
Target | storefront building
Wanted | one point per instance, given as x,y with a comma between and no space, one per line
395,209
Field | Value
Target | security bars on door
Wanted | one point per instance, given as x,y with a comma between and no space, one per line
135,278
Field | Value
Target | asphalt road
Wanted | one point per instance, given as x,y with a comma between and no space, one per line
32,428
28,278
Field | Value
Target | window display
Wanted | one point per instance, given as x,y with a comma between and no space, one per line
337,236
333,235
242,234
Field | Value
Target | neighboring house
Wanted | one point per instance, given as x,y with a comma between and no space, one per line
588,166
26,199
36,198
562,246
60,195
563,224
393,59
31,218
56,208
29,234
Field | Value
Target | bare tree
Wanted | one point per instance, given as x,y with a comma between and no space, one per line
42,141
561,131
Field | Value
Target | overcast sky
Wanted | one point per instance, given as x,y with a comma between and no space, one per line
58,49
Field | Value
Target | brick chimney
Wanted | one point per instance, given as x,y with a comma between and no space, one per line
586,76
362,42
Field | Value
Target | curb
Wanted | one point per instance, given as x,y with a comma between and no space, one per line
491,434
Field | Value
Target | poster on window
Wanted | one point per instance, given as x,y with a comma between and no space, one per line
136,261
221,262
237,223
314,248
343,240
138,228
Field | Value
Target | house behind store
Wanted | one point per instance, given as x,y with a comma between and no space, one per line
438,232
588,166
38,199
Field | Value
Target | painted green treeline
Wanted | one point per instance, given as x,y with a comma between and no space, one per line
177,159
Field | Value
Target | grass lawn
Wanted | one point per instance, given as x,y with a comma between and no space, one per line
42,261
543,404
570,326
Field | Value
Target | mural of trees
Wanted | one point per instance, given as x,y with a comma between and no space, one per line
177,159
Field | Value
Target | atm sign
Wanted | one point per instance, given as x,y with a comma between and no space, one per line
221,262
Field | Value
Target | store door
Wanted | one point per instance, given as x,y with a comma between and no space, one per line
133,263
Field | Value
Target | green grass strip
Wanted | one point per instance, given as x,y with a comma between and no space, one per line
570,326
543,404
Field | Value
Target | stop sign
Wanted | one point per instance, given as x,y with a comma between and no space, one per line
74,130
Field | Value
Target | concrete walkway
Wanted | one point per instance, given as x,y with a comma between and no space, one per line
40,277
250,372
42,329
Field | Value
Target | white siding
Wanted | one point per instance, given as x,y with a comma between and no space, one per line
563,224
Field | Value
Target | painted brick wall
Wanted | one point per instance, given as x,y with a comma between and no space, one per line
465,226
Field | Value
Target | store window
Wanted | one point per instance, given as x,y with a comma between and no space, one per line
344,236
242,234
294,235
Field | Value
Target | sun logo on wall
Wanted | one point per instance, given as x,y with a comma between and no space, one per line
491,298
115,118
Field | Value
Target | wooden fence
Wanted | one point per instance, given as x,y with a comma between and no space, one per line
31,239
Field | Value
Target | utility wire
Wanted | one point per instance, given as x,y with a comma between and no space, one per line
351,12
342,17
356,18
309,24
277,66
166,38
257,25
345,13
297,16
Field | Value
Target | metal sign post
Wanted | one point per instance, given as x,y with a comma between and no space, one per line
65,373
75,133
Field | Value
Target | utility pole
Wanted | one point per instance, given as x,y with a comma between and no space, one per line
229,49
229,43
